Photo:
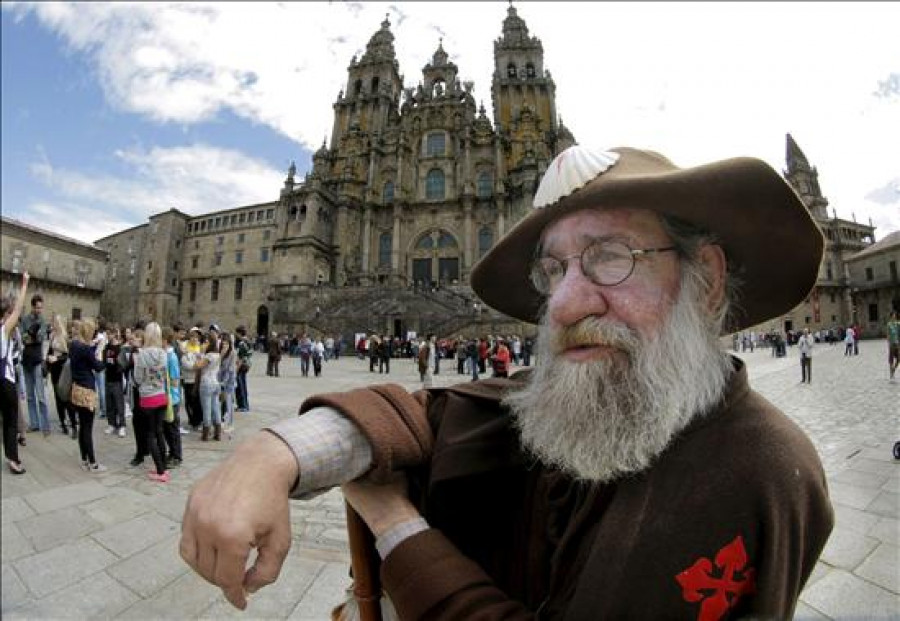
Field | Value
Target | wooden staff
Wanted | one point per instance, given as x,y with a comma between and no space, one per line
365,562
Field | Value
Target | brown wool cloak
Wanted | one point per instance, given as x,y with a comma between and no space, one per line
727,523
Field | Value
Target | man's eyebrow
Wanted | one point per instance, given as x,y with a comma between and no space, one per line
584,240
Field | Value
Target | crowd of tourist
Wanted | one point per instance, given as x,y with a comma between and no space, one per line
97,370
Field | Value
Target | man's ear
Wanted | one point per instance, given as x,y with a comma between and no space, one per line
715,265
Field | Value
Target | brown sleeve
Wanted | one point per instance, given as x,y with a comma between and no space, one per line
393,420
427,577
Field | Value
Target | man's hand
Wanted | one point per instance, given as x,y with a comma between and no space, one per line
380,506
242,504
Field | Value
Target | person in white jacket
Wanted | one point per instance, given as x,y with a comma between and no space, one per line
805,347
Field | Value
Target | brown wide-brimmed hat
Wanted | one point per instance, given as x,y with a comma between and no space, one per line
769,237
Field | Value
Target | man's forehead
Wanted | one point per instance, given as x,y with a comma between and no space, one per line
587,225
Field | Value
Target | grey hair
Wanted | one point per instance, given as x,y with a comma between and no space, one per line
688,238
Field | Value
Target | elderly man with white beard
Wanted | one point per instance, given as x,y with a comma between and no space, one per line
632,474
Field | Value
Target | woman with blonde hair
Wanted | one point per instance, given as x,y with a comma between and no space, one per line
57,357
210,388
84,359
150,364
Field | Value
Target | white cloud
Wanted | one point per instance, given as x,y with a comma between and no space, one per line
695,81
195,179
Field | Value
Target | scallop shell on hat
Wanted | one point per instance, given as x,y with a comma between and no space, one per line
570,170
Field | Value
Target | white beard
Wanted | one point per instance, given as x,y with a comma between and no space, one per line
603,419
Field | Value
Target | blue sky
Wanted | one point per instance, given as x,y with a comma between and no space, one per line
114,111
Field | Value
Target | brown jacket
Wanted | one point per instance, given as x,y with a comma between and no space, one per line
728,522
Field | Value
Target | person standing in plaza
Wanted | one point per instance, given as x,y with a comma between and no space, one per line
34,336
115,389
424,359
57,356
227,381
805,347
84,359
385,351
10,311
101,339
318,356
501,359
190,354
172,454
244,354
209,387
849,341
893,338
304,348
150,368
274,351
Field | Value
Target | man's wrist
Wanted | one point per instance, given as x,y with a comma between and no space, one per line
277,455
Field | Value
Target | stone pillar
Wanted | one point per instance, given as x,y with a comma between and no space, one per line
501,220
367,233
395,240
469,245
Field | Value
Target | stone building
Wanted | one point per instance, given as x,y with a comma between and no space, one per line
413,187
68,274
875,284
829,304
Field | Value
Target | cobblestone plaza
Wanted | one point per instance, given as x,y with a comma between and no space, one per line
83,546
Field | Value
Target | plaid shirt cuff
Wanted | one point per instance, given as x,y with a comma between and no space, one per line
330,450
397,533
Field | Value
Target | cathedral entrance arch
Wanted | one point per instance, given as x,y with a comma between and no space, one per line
435,258
262,321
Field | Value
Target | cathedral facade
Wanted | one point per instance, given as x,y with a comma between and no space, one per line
413,187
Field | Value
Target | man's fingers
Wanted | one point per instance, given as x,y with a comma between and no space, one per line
229,573
272,552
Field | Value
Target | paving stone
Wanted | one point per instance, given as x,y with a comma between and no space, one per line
13,510
847,549
148,571
884,468
66,496
184,598
856,520
55,569
807,613
96,597
13,544
121,505
172,506
856,497
327,591
859,478
277,600
841,595
885,504
14,591
129,537
886,530
48,530
882,568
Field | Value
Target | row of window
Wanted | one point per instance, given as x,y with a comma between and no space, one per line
214,290
235,219
512,71
427,242
238,258
435,186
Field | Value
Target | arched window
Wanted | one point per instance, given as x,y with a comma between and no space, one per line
484,185
302,211
425,243
435,144
357,87
511,70
375,84
485,241
384,250
388,192
446,240
529,70
434,185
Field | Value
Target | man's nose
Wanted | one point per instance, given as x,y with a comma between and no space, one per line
576,297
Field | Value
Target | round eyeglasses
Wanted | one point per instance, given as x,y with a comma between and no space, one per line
604,262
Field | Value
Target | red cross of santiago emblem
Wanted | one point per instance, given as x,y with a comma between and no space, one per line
718,588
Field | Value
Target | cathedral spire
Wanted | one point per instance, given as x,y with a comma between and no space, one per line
804,179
